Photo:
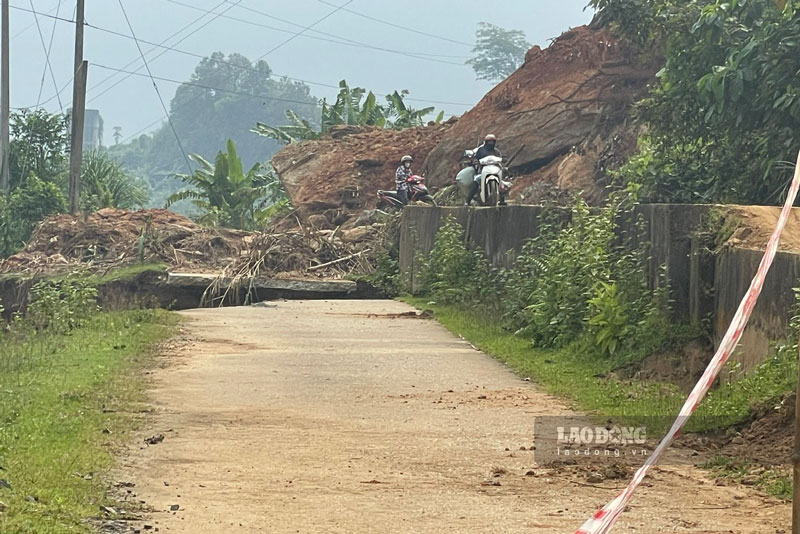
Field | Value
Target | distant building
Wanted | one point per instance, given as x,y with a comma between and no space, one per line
92,130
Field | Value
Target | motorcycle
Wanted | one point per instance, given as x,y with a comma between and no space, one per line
493,188
417,192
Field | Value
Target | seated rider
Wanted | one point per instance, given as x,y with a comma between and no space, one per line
401,178
488,148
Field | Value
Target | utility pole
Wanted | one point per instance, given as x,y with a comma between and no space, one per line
5,105
78,113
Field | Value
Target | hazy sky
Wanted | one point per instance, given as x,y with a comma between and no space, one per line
380,61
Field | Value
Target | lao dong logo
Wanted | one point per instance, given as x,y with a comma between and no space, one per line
616,435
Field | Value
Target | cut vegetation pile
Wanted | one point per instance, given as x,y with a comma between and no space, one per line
110,239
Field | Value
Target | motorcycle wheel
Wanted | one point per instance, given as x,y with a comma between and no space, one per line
492,194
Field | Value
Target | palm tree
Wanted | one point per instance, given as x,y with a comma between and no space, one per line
228,195
105,184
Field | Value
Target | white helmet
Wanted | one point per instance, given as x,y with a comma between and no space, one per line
406,159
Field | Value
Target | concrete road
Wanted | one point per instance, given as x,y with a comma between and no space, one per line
343,417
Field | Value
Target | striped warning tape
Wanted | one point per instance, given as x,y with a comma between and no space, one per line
604,519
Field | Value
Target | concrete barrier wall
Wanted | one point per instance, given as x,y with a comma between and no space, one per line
703,285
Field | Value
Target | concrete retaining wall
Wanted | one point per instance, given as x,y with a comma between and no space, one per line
702,285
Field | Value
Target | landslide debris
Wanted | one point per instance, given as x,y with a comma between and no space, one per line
110,239
339,175
566,109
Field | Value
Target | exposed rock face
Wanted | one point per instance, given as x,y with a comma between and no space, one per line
339,175
565,110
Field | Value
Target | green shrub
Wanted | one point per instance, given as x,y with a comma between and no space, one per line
387,273
578,278
28,205
454,274
61,306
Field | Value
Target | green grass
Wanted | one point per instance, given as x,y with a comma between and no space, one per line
65,401
579,375
127,273
122,274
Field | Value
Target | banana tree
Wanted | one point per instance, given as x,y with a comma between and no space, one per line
297,130
403,116
228,195
353,106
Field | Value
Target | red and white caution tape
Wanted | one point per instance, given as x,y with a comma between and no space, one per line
604,519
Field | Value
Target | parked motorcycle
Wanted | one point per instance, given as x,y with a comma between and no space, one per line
417,192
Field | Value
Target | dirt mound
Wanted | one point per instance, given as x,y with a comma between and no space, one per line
115,238
110,239
565,109
766,440
339,175
754,226
769,438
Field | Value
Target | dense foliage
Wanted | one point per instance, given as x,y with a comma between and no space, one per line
106,184
39,169
353,106
25,207
229,196
39,147
723,121
581,278
498,52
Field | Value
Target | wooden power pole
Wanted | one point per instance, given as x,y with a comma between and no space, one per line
5,105
78,114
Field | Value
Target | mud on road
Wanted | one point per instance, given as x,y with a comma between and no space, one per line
345,417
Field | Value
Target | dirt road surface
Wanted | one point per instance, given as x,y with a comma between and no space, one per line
339,417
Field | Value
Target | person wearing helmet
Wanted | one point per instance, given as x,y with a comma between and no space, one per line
488,148
401,178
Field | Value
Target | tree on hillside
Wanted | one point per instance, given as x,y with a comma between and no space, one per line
498,52
117,134
724,119
228,195
222,100
353,106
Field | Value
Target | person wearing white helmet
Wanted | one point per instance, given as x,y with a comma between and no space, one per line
488,148
401,177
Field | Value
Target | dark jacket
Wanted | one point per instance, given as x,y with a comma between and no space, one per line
483,151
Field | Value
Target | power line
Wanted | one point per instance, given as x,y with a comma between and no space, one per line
185,27
193,32
273,49
254,96
155,86
55,18
41,84
344,39
31,25
394,25
301,32
335,39
200,56
47,49
250,69
203,86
